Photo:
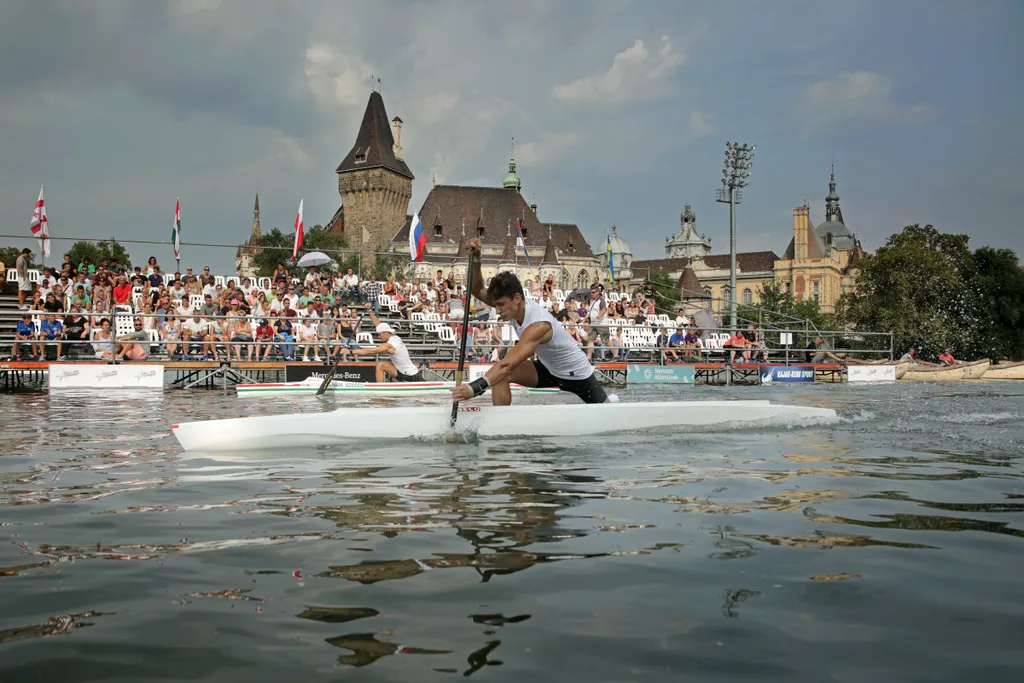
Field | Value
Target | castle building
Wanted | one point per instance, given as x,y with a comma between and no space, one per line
374,182
453,215
703,277
244,266
819,263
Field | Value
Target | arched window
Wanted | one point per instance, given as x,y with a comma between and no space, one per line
707,291
748,297
828,239
726,293
566,282
582,279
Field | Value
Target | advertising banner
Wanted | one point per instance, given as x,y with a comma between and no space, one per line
786,374
871,373
659,374
93,376
345,373
474,372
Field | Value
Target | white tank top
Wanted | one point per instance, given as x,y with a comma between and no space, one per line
562,356
400,358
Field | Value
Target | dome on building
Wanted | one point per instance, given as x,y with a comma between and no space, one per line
622,255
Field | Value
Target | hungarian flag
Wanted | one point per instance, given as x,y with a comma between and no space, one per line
176,230
41,225
298,232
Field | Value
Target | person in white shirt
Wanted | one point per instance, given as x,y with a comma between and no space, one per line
546,303
560,362
681,320
305,336
352,285
400,366
195,328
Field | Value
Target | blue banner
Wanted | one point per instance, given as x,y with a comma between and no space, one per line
659,374
786,374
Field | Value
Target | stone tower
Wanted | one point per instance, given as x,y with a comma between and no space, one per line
374,182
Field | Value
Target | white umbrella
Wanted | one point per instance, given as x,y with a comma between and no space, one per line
313,258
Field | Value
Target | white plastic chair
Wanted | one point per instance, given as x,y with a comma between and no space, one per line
364,338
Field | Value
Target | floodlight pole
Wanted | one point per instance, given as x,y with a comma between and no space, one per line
735,172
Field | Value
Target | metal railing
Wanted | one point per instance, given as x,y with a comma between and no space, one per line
423,339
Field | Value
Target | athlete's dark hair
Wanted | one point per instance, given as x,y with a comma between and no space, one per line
504,285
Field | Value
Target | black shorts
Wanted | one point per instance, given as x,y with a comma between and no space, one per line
402,377
589,390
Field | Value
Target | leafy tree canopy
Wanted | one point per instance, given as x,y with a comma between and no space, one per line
932,292
97,251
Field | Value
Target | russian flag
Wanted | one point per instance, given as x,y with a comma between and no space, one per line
417,240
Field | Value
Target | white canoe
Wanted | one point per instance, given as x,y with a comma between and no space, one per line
363,388
431,422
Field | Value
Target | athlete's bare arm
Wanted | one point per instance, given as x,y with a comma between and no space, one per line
479,289
533,336
382,348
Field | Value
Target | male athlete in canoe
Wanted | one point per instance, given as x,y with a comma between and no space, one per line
560,361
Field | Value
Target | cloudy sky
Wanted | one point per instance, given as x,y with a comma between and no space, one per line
620,111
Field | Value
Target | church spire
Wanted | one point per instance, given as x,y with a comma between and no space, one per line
256,234
832,210
512,180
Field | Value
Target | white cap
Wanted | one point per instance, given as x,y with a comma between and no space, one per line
384,327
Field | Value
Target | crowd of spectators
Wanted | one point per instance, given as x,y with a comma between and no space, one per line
190,315
314,316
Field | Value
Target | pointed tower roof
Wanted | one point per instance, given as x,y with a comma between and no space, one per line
463,251
690,286
833,230
550,255
512,180
375,143
508,252
256,233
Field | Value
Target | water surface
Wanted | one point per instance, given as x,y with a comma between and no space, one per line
885,547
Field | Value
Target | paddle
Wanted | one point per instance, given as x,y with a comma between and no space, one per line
334,368
462,342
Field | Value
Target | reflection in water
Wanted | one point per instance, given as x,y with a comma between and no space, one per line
367,649
336,615
54,626
733,598
478,659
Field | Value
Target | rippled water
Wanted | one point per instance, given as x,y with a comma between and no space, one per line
886,547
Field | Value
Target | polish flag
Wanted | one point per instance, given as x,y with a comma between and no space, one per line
298,233
41,225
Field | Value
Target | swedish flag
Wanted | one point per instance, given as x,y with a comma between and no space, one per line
611,264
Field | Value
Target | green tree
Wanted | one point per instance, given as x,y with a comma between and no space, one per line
996,281
660,287
275,247
9,257
97,251
385,264
916,285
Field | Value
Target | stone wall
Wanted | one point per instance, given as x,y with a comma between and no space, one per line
376,202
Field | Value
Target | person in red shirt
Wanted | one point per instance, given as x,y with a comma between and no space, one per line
946,358
737,341
123,290
264,339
